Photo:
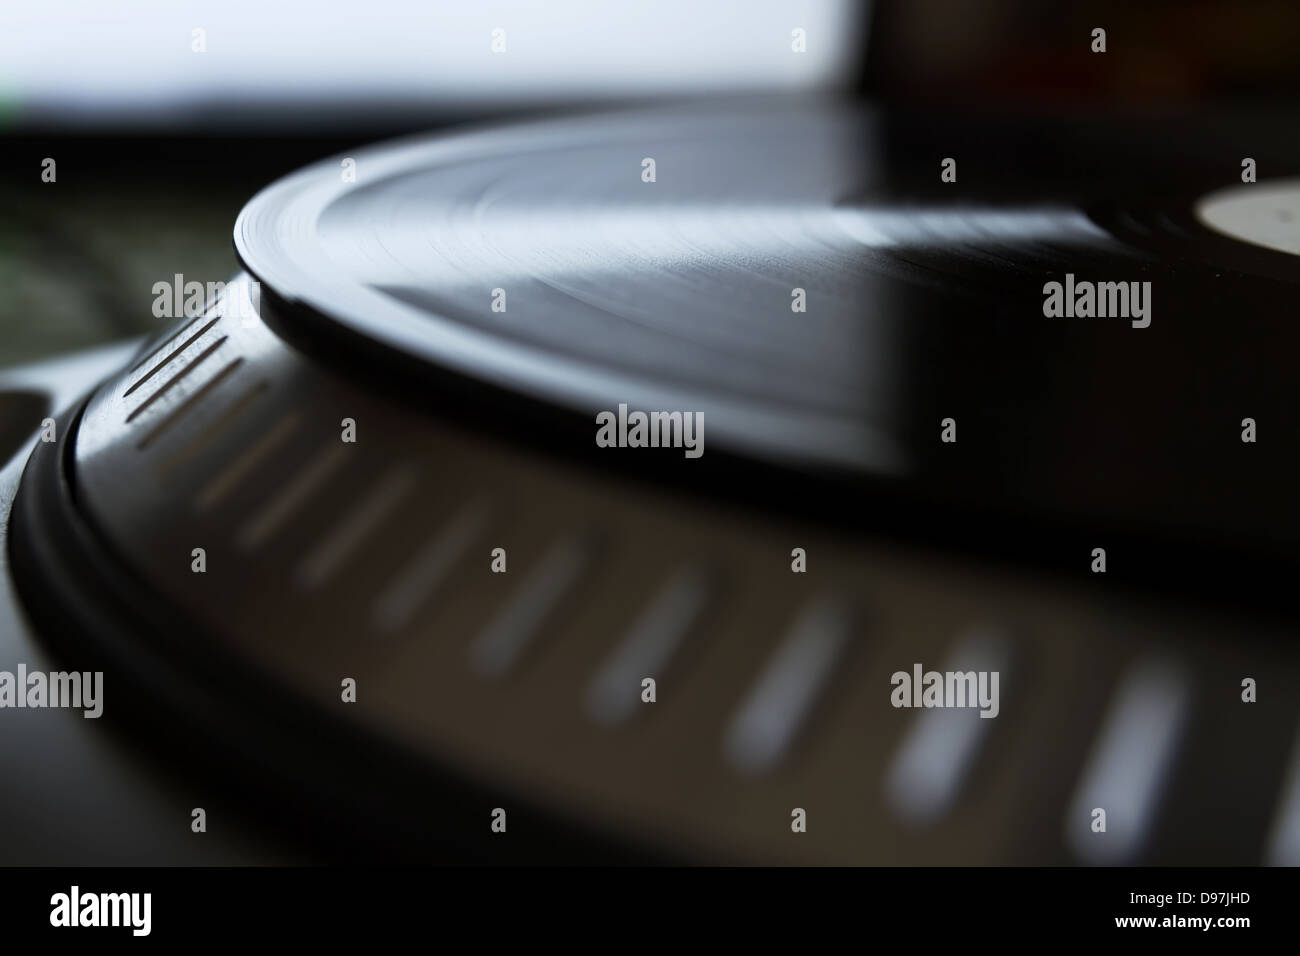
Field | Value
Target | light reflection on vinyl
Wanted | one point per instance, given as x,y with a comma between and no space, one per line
833,320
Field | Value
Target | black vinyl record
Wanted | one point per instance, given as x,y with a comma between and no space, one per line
827,305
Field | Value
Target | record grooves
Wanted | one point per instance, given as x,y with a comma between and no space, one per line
502,422
625,291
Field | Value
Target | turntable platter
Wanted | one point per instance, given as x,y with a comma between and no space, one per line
381,474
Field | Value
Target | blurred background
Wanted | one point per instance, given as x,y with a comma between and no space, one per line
164,118
158,146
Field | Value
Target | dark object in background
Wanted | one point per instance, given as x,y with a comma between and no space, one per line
1020,54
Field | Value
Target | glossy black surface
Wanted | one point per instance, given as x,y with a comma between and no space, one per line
924,299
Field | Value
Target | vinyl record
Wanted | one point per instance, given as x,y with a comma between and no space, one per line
778,269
